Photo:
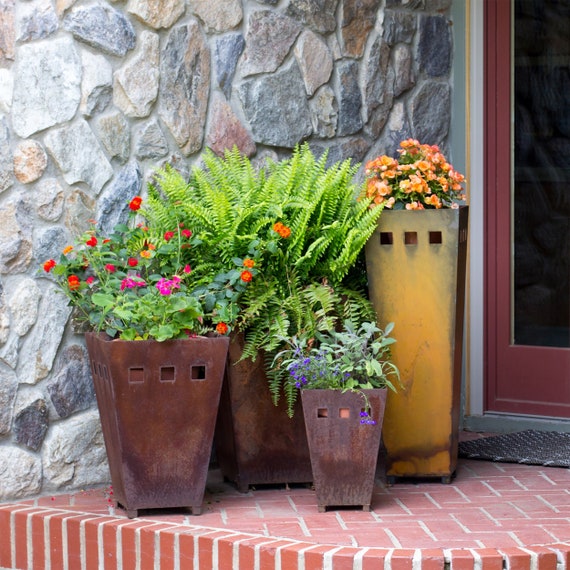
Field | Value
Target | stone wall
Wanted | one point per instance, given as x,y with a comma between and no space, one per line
94,95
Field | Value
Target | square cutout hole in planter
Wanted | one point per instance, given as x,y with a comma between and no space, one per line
198,372
322,412
136,375
411,238
386,238
435,237
167,373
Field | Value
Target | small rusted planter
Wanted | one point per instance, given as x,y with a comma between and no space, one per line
343,451
256,442
158,404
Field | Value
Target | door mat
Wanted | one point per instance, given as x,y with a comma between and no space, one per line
531,447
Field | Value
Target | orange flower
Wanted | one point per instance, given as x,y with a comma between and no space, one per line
73,282
247,262
146,254
433,200
67,249
222,328
49,265
246,276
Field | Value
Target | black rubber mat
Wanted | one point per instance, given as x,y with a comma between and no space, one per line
548,448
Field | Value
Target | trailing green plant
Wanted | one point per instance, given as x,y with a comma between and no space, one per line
299,224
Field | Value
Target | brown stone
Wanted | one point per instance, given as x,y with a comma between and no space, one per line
30,161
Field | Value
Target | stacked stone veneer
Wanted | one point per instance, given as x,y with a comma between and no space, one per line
94,95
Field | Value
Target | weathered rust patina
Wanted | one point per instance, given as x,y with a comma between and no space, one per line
158,403
344,452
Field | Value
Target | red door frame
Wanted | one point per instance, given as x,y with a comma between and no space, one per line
518,378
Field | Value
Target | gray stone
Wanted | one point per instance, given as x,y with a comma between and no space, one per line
4,321
379,90
151,141
71,389
23,303
102,27
268,2
435,45
314,59
404,76
97,84
6,164
113,131
324,113
6,90
218,15
79,209
7,31
226,131
269,38
31,425
397,129
157,13
349,98
399,27
185,86
408,4
8,391
276,107
49,199
113,204
319,15
35,20
73,453
20,473
353,148
77,153
42,342
430,112
15,238
10,351
136,83
227,51
49,243
30,161
358,19
43,95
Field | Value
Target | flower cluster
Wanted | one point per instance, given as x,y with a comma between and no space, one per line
341,360
138,284
421,179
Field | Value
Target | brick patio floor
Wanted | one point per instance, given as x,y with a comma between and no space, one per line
492,516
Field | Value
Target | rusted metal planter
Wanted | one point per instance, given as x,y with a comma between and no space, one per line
158,404
256,442
416,273
344,452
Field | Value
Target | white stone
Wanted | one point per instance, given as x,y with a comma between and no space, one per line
46,85
20,473
49,199
8,391
73,453
24,302
97,84
157,13
218,15
6,90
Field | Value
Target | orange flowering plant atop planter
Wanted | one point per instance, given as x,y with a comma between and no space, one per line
138,284
421,179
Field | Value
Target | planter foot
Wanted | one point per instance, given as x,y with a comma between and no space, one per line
132,513
366,508
322,508
196,510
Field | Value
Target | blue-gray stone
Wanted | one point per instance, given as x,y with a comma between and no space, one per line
430,113
435,45
399,27
349,98
102,27
49,243
227,50
319,15
31,424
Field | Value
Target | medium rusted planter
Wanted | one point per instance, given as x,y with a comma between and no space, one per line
256,442
344,452
416,274
158,404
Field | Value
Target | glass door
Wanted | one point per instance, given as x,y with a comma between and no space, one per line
528,201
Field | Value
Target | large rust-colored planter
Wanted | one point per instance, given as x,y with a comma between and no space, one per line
344,452
416,272
256,442
158,404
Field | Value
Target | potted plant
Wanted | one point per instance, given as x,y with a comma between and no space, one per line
420,243
302,229
343,377
157,341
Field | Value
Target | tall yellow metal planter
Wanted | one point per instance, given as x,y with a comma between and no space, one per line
416,270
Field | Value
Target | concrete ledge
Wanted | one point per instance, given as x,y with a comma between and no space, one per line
33,537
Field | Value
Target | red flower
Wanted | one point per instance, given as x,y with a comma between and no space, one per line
187,233
246,276
187,269
73,282
49,265
110,268
168,236
222,328
91,242
135,203
90,280
132,262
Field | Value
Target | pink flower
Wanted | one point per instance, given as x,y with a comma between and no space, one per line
187,233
